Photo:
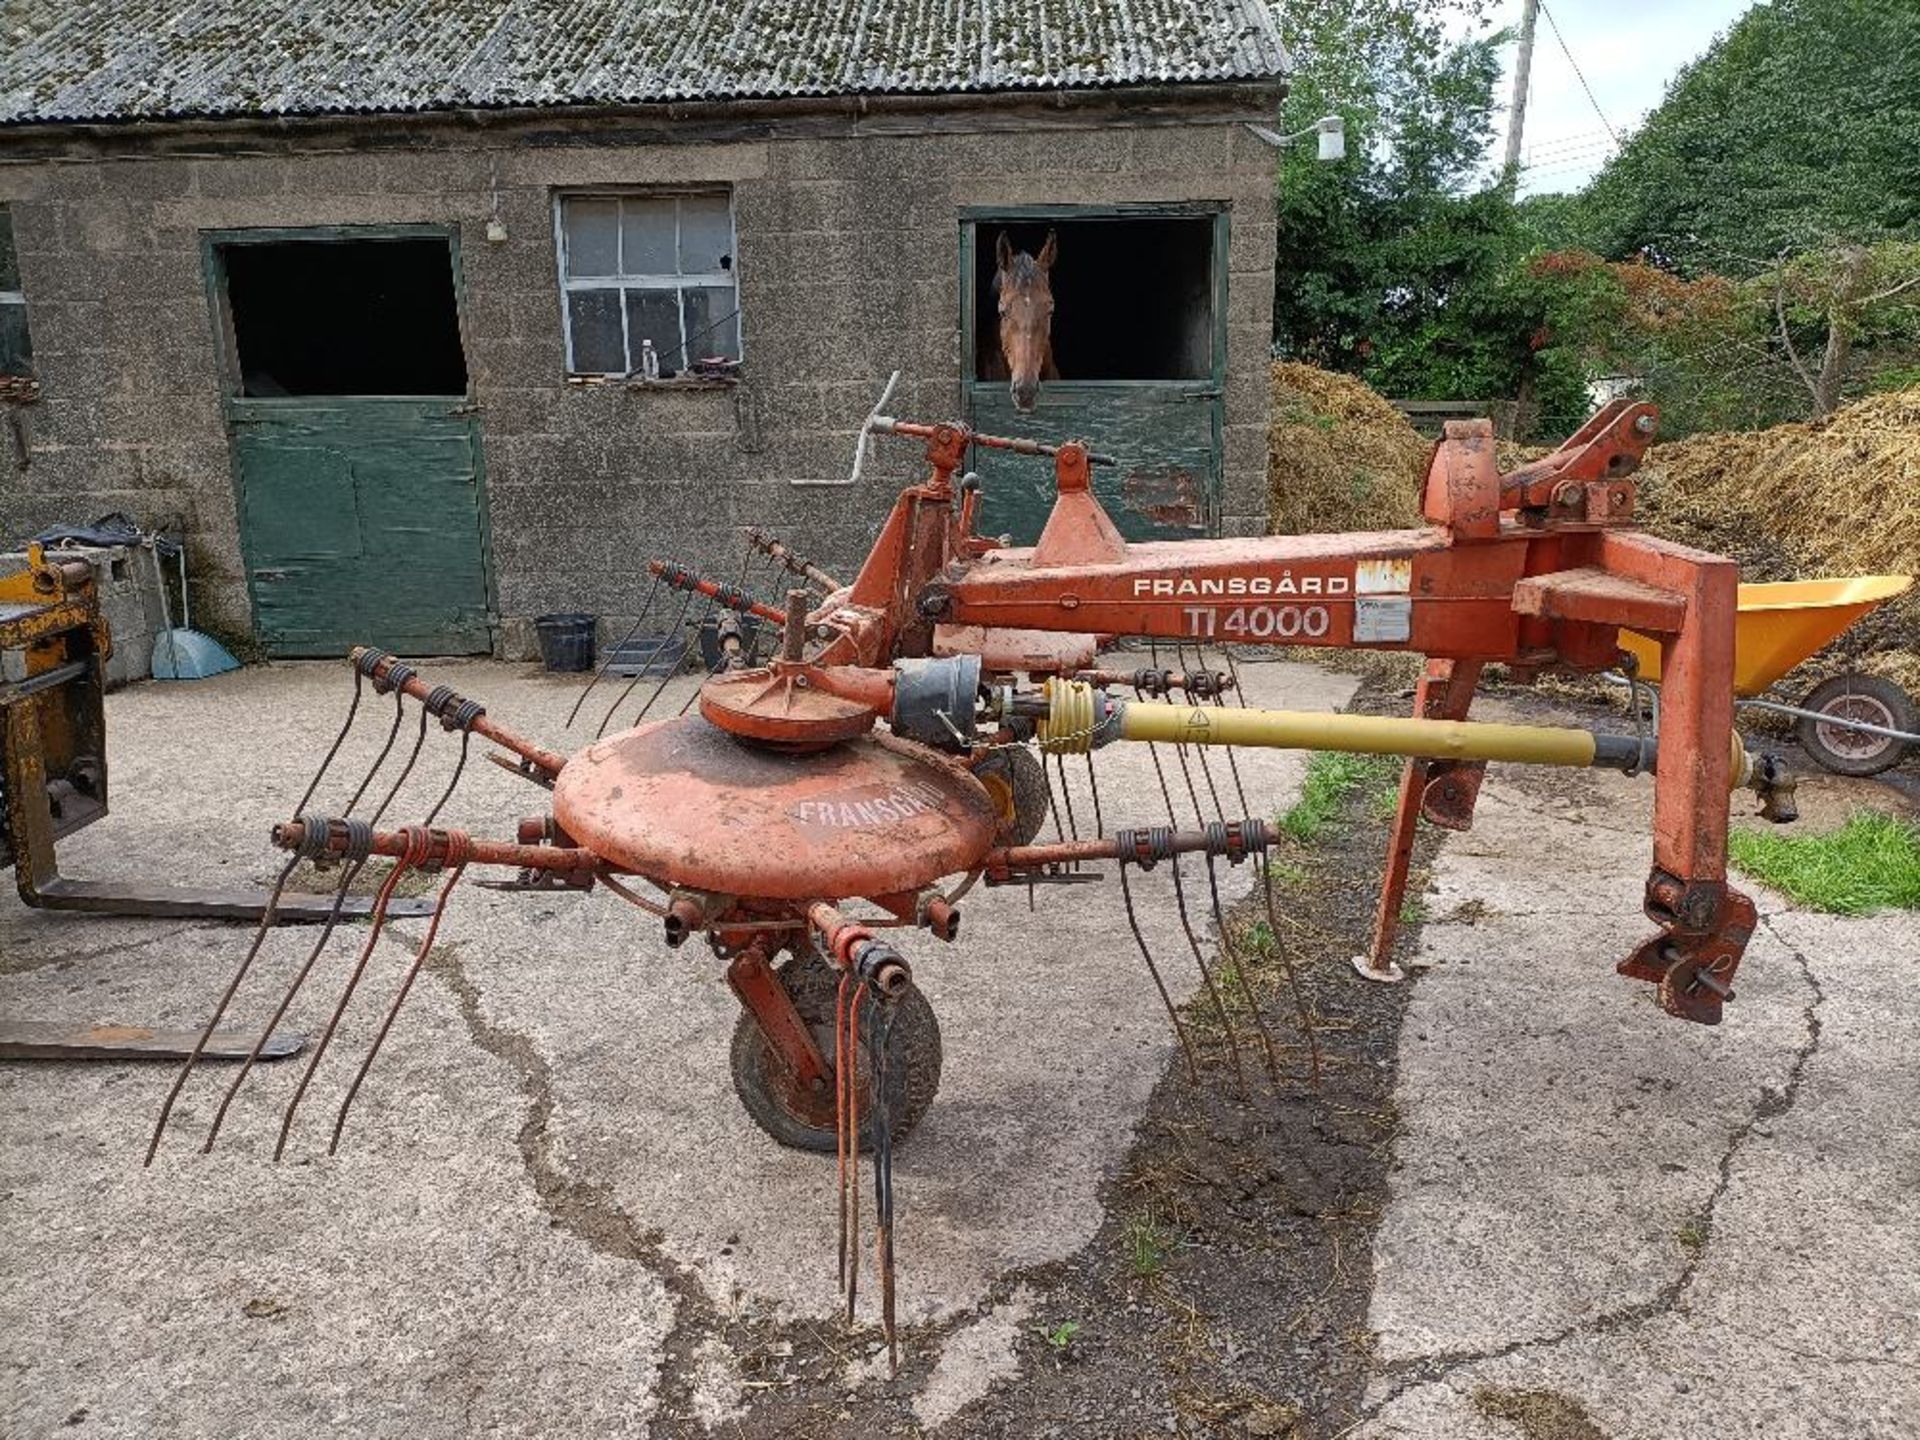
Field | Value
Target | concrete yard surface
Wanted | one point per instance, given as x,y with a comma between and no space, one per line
549,1215
547,1200
1606,1223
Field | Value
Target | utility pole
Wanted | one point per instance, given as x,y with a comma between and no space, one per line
1517,113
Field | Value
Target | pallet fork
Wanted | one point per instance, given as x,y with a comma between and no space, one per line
54,646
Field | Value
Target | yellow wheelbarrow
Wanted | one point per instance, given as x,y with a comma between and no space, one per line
1852,724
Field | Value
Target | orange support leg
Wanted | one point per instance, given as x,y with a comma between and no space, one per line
1442,789
1704,924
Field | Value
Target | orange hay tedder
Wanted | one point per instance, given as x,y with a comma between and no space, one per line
893,752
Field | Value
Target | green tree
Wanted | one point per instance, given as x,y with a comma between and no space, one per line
1402,263
1796,128
1789,339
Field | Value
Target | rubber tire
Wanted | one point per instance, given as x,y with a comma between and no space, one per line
1025,776
914,1058
1897,704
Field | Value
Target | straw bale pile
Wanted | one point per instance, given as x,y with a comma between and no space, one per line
1338,456
1804,501
1797,502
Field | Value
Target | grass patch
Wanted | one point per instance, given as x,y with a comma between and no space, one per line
1870,863
1149,1245
1332,776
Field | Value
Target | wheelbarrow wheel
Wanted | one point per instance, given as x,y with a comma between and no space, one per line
1866,698
803,1120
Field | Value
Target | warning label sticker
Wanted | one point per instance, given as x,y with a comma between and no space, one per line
1383,577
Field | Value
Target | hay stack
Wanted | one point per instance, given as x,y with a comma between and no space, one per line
1338,456
1799,502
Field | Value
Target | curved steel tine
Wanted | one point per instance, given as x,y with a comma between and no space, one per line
393,732
853,1127
1180,899
348,873
1303,1013
882,1012
712,609
1239,964
326,761
267,917
667,639
1206,975
220,1009
1173,1014
379,921
646,608
420,955
1093,785
1066,797
1234,958
840,1052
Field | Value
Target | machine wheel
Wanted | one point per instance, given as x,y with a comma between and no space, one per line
1867,698
804,1120
1016,778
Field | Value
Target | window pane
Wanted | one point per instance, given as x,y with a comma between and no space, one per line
594,317
647,233
9,269
655,315
593,236
706,234
713,324
16,351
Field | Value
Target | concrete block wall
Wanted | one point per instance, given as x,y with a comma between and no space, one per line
847,251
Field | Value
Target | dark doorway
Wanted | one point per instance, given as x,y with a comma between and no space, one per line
345,317
1133,296
1139,338
357,457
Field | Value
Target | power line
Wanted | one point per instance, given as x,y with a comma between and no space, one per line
1581,140
1578,152
1554,25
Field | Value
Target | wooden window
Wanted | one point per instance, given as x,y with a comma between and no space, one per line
16,349
648,283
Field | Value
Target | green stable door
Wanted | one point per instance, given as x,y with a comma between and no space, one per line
1138,337
356,447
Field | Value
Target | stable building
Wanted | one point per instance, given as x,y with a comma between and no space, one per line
421,321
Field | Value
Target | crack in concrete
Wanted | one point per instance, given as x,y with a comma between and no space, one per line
27,964
587,1210
1431,1369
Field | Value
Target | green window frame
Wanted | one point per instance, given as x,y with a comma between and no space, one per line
16,344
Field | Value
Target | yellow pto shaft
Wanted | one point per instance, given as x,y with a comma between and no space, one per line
1079,718
1365,734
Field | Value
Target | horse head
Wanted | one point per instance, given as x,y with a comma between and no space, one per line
1023,285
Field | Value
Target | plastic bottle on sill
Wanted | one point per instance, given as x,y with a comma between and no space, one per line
649,361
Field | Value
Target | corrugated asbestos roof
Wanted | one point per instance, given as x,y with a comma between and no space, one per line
81,60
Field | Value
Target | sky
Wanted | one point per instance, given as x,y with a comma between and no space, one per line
1628,50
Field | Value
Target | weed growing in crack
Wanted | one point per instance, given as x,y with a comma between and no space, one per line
1331,777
